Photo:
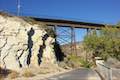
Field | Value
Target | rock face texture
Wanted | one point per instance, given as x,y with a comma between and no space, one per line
23,44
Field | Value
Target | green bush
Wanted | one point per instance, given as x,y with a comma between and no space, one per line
76,62
50,32
85,63
105,44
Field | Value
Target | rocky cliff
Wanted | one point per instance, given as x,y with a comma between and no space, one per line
24,43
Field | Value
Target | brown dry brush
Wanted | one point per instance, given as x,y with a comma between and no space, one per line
5,73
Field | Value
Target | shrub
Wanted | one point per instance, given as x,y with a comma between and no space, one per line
85,63
13,75
50,31
76,62
105,44
7,73
44,71
1,77
27,73
3,73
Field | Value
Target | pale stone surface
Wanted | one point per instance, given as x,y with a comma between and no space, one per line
18,39
49,51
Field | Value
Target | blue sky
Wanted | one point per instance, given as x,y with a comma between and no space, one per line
98,11
101,11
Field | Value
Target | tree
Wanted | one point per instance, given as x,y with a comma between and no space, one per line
104,44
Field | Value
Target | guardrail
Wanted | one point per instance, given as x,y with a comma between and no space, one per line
105,71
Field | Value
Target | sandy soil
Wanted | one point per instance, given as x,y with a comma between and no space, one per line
39,76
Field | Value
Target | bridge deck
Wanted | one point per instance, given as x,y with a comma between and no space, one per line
69,23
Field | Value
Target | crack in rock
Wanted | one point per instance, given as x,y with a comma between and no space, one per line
1,29
4,44
18,58
6,56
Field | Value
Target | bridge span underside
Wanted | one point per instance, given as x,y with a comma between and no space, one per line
65,31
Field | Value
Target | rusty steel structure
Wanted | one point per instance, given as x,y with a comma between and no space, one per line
65,30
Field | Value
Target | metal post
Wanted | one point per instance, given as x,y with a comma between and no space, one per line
87,31
18,7
109,74
55,27
73,42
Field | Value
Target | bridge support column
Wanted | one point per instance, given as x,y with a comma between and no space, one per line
88,31
55,30
73,42
91,31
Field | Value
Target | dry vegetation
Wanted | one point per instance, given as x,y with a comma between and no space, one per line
8,74
1,76
27,73
13,75
5,14
46,70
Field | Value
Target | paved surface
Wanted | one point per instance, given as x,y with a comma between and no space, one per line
78,74
116,74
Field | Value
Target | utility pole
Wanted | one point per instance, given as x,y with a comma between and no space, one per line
18,7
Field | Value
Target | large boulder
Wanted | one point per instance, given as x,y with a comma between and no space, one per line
24,44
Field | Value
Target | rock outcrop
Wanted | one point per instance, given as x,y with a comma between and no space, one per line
24,44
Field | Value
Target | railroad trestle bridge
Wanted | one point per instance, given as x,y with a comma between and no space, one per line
67,36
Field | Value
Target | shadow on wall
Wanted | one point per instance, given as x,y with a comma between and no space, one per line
30,44
58,52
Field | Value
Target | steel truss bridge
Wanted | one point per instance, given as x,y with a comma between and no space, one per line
67,36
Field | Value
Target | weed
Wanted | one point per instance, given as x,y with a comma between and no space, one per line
13,75
27,73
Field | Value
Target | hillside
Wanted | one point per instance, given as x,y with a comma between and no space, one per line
25,43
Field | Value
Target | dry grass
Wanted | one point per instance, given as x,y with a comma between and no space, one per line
5,14
1,77
44,71
13,75
7,74
28,73
3,73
